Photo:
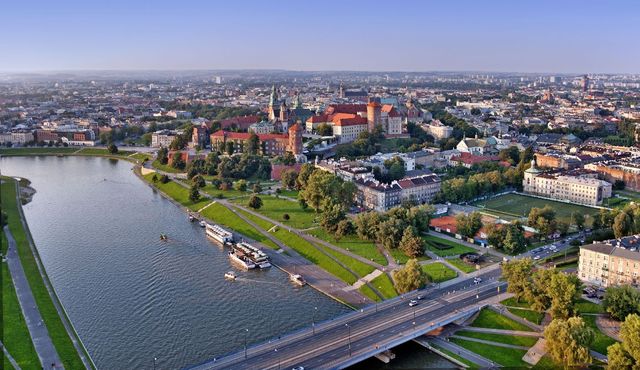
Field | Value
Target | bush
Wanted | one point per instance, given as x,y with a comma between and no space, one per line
286,217
164,179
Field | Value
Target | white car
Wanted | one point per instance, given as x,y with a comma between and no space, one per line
536,258
413,303
477,280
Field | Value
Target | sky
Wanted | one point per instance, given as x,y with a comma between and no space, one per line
560,36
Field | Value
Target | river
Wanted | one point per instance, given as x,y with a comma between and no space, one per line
132,297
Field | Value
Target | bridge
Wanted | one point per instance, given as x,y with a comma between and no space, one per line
358,335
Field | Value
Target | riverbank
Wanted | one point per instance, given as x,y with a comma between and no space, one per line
131,156
283,257
65,339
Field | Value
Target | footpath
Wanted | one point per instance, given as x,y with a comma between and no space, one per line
37,329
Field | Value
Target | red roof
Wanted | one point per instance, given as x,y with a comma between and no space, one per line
346,108
318,119
241,122
472,159
351,120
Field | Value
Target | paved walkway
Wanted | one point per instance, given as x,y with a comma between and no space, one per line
37,329
366,279
609,326
492,343
503,331
463,352
12,361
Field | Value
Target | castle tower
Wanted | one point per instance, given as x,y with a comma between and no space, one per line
273,100
374,112
295,139
341,90
284,117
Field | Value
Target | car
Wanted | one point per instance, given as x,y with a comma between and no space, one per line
298,368
477,280
413,303
419,297
536,258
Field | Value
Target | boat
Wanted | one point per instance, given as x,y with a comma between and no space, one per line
191,218
253,254
203,224
163,237
219,234
230,275
242,261
297,279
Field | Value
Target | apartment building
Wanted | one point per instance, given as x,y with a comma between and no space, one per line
378,196
612,262
163,138
580,188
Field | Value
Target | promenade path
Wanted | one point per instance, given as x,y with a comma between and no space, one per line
42,343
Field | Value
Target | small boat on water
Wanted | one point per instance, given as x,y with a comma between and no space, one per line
241,261
203,224
163,237
191,218
297,279
230,275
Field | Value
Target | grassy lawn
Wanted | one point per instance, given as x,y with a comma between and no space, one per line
36,151
546,363
507,357
446,247
142,157
584,306
600,340
310,252
493,320
225,217
275,208
439,272
289,193
61,340
500,338
209,189
530,315
360,268
15,334
459,358
465,267
353,244
513,303
179,193
100,151
164,167
519,206
384,285
369,293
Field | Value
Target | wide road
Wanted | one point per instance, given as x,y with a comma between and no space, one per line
355,336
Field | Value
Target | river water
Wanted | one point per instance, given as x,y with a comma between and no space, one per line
132,297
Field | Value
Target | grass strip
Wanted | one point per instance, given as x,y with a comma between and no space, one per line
493,320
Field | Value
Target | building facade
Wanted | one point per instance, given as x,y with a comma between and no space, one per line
612,262
163,138
270,144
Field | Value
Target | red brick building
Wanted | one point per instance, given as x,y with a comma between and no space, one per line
270,144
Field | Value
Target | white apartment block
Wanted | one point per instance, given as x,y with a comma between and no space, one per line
576,189
613,262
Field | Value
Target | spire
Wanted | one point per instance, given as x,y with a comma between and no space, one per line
297,103
273,99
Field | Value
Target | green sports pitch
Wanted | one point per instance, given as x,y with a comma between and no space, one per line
514,206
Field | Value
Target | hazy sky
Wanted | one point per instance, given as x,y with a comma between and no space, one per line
399,35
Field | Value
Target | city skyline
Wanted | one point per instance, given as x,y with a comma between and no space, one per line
541,37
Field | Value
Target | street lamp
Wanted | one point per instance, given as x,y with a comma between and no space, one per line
313,320
154,362
349,327
246,333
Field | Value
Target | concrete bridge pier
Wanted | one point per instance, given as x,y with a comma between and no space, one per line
386,356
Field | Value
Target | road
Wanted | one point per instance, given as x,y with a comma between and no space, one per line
355,336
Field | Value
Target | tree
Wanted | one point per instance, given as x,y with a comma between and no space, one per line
390,232
324,130
198,181
411,244
253,143
410,277
112,149
567,342
577,219
176,161
288,179
331,216
622,225
255,202
163,155
240,185
164,179
563,292
543,219
621,301
229,147
305,172
257,188
514,241
178,143
517,273
288,159
367,225
626,355
469,225
344,228
194,193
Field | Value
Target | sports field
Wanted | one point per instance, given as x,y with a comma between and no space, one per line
510,206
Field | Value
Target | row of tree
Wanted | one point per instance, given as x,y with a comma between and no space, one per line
544,289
